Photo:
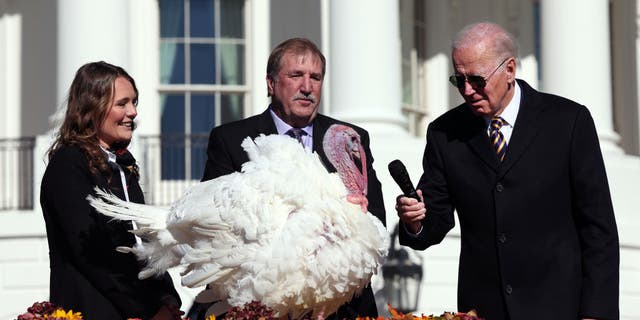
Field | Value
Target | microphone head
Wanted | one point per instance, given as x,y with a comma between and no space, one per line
399,174
396,165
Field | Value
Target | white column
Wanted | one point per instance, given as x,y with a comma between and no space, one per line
576,59
364,63
90,31
325,23
638,65
143,64
10,62
259,46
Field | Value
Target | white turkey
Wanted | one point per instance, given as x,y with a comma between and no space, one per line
281,232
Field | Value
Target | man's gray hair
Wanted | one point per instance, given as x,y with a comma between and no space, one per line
503,44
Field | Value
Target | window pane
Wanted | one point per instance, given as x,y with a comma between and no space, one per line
171,63
232,19
232,63
171,18
201,18
202,113
202,121
172,139
198,154
231,108
172,110
407,83
203,63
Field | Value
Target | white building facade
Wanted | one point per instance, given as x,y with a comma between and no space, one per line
200,63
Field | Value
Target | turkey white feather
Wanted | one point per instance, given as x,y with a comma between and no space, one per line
281,232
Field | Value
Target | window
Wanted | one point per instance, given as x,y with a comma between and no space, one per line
202,78
413,35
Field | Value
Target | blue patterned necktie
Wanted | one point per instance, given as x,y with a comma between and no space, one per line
297,134
497,139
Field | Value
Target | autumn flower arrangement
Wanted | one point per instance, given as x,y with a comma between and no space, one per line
257,311
395,315
250,311
49,311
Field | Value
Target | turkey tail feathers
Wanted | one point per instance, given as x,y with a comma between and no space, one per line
158,251
112,206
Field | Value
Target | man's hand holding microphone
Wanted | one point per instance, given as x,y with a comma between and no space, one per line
410,206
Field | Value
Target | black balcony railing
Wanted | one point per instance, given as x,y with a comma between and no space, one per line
16,173
169,164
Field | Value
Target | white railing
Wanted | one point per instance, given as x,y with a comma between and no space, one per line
16,173
171,163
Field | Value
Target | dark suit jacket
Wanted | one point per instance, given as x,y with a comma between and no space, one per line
538,233
225,155
87,274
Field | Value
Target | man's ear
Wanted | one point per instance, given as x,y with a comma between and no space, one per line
270,84
511,69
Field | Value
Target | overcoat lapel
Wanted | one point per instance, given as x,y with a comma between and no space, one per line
525,130
478,140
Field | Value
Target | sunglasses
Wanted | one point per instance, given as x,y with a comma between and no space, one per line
475,81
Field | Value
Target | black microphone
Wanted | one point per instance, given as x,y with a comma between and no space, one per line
400,175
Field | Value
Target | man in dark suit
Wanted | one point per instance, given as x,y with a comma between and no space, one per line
295,72
524,171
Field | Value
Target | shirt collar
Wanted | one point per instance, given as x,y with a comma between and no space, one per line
283,127
510,113
111,157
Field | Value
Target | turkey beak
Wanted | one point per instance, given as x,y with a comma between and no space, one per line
354,148
355,152
359,159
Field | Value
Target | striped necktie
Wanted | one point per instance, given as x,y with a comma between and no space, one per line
297,134
497,139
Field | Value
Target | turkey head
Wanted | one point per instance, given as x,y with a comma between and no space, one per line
344,150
